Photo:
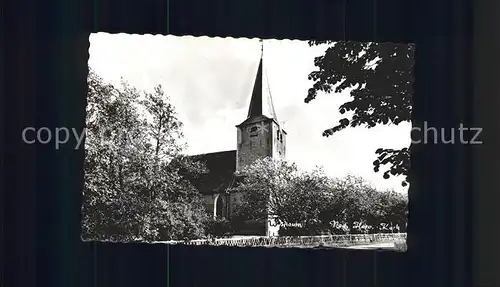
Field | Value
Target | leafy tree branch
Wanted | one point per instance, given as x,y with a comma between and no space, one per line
379,77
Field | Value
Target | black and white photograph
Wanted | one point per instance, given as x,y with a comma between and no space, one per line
247,142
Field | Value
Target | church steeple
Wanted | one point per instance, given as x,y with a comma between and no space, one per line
261,104
260,135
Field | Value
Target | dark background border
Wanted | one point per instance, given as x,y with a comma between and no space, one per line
46,54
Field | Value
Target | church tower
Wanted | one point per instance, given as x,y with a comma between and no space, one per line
260,135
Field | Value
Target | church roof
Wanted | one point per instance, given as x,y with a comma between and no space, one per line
220,176
261,102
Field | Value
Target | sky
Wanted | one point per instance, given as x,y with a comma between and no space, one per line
210,81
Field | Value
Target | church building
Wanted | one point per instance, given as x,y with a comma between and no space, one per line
258,136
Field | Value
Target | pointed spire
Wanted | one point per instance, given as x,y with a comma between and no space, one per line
261,104
255,108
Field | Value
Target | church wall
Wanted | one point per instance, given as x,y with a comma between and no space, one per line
238,147
269,142
283,147
208,198
236,198
274,147
278,146
250,148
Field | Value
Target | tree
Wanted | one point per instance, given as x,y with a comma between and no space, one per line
165,129
397,211
277,189
380,79
265,188
110,116
356,201
352,199
387,209
131,191
309,202
319,203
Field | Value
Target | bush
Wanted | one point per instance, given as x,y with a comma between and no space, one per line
248,227
219,227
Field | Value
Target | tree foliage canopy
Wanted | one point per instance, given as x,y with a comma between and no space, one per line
380,79
131,191
265,188
314,200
